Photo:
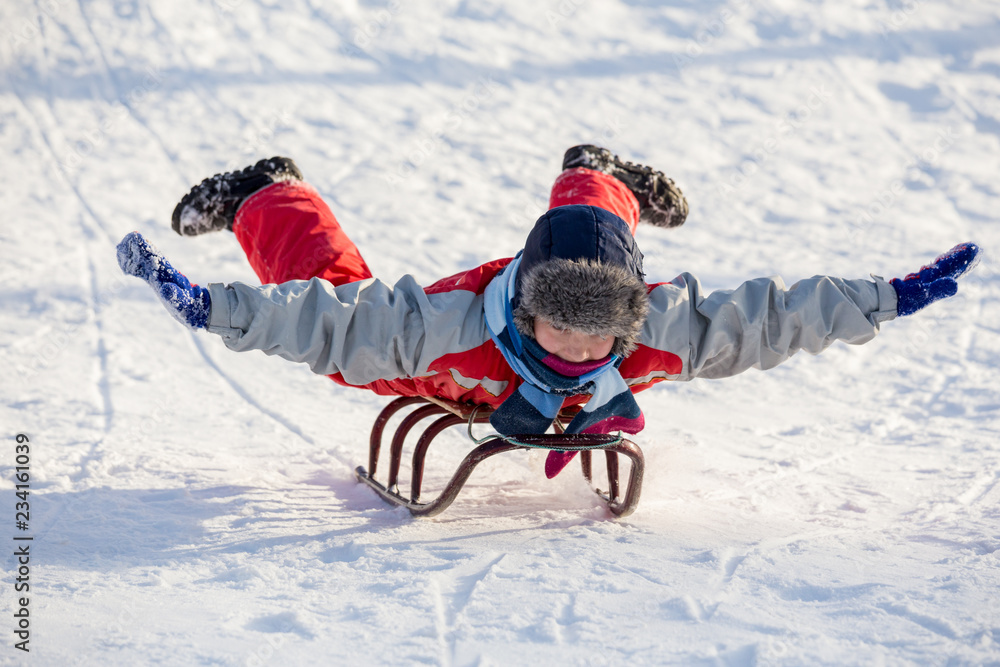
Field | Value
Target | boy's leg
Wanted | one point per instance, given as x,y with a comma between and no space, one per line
661,202
289,233
594,188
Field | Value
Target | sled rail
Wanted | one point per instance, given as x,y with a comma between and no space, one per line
448,414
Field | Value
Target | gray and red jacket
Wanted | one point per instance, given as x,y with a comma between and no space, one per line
408,340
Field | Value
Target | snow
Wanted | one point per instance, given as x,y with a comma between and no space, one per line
194,506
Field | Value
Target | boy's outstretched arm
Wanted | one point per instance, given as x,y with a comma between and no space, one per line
762,323
365,331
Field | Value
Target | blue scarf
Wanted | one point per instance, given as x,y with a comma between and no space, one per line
537,401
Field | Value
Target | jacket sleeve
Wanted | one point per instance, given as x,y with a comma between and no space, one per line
365,331
762,323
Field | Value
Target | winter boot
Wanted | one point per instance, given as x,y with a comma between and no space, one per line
212,204
661,202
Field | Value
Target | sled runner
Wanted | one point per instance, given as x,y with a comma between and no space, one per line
449,414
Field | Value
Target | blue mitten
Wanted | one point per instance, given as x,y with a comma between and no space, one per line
935,281
190,304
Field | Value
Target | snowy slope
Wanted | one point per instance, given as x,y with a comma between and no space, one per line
194,506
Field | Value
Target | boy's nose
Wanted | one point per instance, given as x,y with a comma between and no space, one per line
576,353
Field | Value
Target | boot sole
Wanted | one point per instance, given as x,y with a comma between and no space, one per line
663,206
200,197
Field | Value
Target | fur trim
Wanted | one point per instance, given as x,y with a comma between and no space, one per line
587,296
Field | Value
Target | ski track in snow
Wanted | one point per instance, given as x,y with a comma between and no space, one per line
193,506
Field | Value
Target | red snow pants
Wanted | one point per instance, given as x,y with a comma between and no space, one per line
289,233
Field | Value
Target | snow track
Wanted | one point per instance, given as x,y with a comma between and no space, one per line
193,506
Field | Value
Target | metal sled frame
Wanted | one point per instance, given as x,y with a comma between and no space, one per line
450,414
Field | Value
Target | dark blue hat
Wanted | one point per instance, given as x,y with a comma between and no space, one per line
581,269
578,232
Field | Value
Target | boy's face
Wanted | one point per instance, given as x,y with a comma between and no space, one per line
571,345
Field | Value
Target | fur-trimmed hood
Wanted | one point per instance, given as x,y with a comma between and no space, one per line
581,269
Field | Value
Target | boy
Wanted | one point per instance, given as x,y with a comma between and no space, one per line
568,321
